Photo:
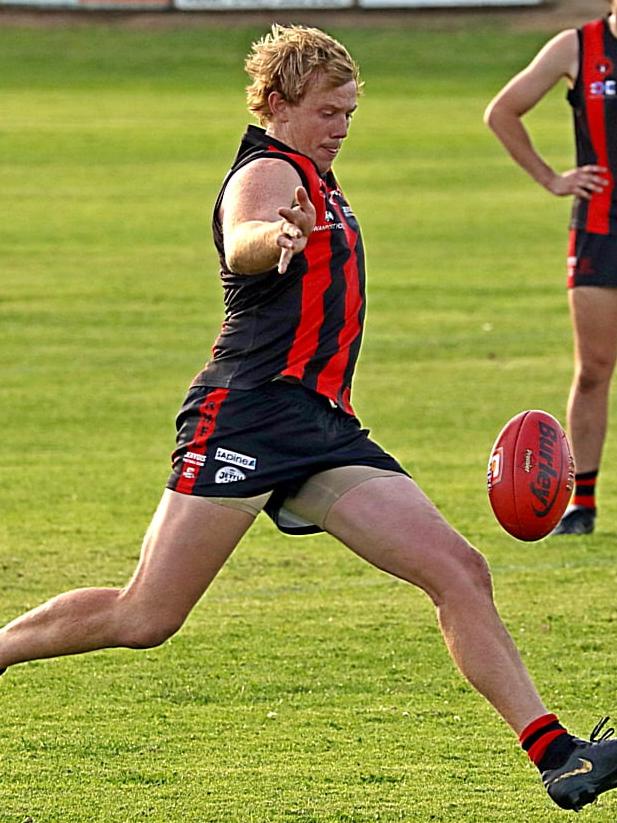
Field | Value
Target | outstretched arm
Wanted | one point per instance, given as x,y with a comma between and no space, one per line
558,59
267,217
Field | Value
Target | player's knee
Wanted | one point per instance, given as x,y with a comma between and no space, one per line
148,634
478,570
462,574
144,630
470,576
593,375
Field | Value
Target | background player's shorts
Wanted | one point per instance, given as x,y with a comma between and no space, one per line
235,443
592,259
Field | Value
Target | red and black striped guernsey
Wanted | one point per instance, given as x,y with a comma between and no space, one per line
306,324
594,101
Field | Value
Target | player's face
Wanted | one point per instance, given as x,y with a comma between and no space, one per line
318,124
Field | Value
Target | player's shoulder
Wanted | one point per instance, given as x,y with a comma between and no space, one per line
558,57
264,168
565,40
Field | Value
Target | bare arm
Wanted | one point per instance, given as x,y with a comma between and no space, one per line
267,217
558,59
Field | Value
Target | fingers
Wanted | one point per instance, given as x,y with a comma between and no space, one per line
296,226
284,260
584,182
288,240
291,230
302,199
589,181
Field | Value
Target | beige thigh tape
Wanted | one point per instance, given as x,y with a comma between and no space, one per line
250,505
321,491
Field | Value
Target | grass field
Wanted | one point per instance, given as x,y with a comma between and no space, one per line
306,687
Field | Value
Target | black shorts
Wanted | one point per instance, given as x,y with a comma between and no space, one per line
241,443
592,259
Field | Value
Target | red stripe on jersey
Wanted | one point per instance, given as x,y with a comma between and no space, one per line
318,254
314,286
332,377
593,49
208,412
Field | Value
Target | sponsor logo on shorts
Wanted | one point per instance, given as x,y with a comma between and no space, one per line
584,265
581,267
244,460
572,261
193,457
189,473
229,474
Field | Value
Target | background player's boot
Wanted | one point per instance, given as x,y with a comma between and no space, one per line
590,770
577,520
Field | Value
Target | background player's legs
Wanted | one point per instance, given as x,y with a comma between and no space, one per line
594,320
186,544
394,526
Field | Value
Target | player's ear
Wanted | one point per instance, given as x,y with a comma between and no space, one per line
278,106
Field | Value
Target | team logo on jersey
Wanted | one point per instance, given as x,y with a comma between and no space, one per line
229,474
604,66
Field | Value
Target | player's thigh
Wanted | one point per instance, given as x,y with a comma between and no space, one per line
312,503
594,320
392,524
188,541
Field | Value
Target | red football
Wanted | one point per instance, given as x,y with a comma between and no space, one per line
530,475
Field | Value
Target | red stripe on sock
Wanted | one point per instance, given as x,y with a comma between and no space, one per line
536,725
536,752
585,501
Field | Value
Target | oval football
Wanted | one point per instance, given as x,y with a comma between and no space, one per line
530,475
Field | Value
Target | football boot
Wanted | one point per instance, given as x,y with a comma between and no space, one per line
576,520
589,771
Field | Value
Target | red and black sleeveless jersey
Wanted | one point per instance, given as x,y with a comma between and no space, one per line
306,324
594,101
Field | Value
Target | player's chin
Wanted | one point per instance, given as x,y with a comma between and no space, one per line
325,160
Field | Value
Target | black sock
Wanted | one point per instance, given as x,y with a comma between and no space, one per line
547,742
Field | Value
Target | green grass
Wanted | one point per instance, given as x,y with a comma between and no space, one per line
307,687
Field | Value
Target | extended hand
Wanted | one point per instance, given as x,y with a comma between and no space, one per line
296,227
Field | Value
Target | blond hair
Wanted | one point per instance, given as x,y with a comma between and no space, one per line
287,58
